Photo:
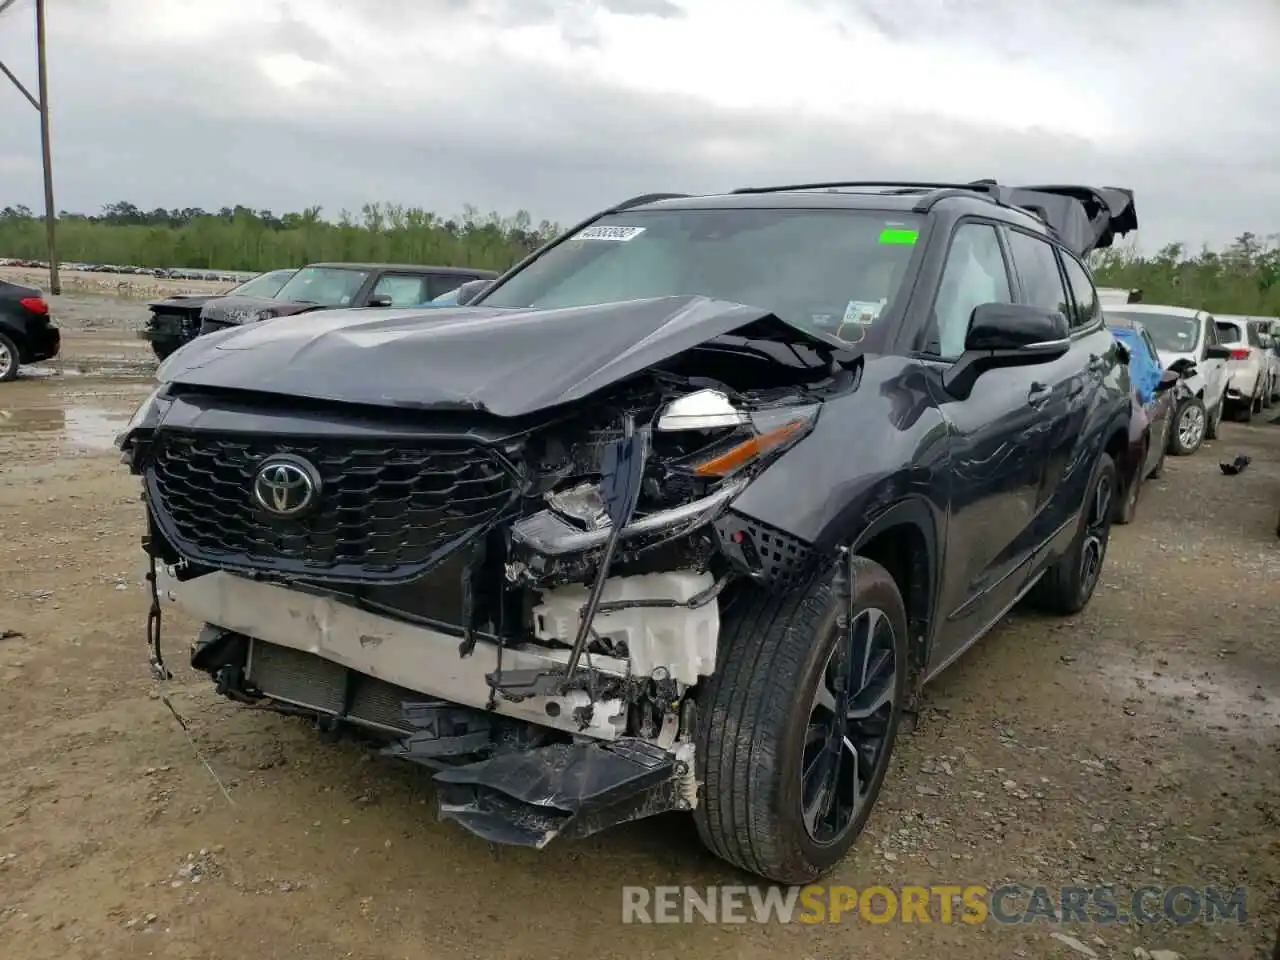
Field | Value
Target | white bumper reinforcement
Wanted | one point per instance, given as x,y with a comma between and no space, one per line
419,658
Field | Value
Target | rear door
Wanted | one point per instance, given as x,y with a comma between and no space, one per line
1054,279
997,449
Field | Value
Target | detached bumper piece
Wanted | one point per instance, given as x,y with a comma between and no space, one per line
563,790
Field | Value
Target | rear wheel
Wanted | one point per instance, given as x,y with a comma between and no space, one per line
1190,423
9,359
1068,585
796,727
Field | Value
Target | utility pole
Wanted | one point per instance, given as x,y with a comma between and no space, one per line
41,103
46,151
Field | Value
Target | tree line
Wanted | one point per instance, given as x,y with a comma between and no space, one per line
1242,277
239,238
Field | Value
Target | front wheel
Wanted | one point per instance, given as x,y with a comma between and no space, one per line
1068,585
1189,427
796,727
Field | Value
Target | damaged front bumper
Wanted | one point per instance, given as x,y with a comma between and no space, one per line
407,685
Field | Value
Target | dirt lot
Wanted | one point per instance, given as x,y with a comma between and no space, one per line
1136,744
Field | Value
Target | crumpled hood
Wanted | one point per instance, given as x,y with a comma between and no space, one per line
503,361
226,310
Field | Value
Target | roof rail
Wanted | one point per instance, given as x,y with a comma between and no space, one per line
899,186
644,198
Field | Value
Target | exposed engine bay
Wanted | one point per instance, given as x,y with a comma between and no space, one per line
526,605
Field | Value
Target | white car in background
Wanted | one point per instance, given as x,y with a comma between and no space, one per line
1248,369
1117,296
1187,340
1269,336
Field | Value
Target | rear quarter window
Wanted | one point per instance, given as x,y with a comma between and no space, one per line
1228,332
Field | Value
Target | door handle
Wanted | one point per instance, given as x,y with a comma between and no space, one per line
1039,394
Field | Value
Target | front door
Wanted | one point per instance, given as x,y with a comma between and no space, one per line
998,448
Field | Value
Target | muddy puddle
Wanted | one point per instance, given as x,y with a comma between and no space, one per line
74,429
68,422
107,368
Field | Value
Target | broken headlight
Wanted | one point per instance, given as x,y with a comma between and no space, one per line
703,446
147,416
736,438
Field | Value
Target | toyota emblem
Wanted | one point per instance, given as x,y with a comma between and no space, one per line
286,486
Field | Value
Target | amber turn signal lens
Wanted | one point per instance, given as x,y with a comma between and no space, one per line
725,463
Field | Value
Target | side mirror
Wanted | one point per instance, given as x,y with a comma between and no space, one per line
380,300
471,290
1006,335
1168,380
1216,351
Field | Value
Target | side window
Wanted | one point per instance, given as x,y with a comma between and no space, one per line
404,290
1151,347
1086,308
975,274
438,284
1210,333
1037,268
1255,339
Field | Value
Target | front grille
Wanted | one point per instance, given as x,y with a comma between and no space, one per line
387,510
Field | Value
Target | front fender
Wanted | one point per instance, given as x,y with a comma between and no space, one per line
880,444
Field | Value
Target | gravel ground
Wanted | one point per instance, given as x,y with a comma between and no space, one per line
1134,744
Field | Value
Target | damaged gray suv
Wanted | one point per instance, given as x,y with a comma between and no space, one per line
678,514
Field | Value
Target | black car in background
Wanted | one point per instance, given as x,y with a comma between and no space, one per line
27,332
176,320
280,293
682,516
333,286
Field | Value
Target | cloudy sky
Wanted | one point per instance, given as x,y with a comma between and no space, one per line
563,106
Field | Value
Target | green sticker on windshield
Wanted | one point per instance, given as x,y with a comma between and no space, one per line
899,236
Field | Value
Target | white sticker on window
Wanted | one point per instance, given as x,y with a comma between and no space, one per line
863,311
601,232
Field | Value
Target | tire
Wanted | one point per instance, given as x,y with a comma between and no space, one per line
1068,585
1127,508
1183,443
1211,429
163,348
10,359
759,712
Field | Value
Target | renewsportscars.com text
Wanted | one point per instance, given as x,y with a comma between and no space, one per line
939,903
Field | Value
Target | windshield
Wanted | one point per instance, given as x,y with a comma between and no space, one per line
326,286
266,285
831,271
1171,334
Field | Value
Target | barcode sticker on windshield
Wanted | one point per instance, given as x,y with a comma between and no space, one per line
863,311
601,232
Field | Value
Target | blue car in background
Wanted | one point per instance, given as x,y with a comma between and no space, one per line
1156,393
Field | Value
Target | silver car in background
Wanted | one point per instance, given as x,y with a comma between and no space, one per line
1187,340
